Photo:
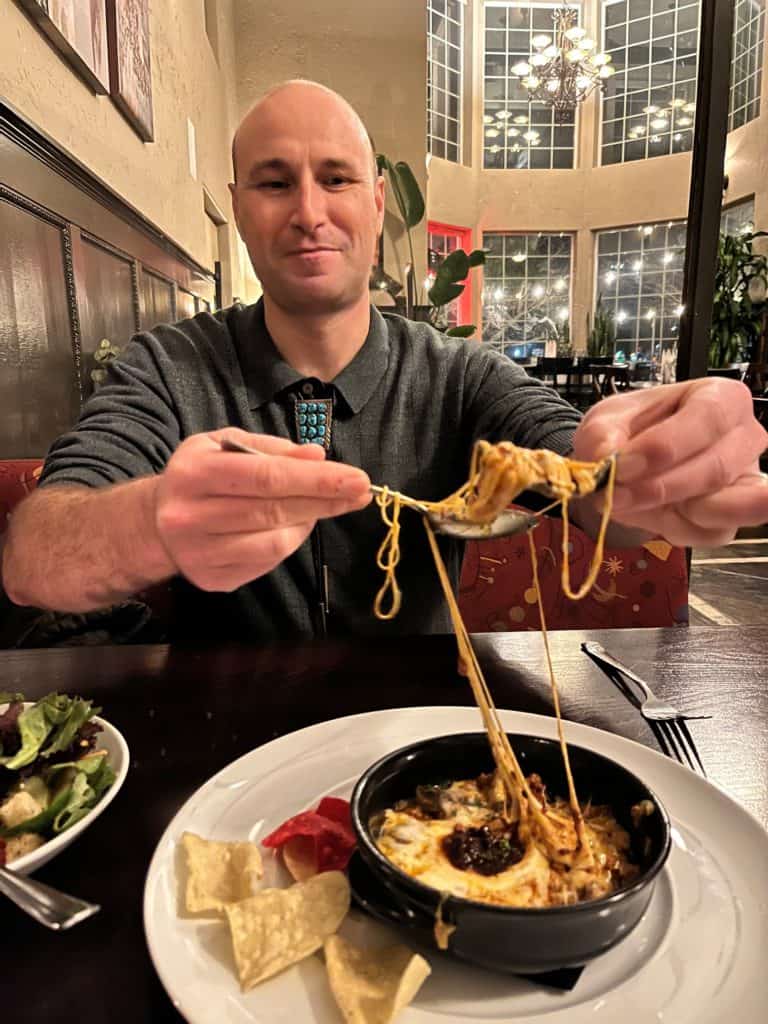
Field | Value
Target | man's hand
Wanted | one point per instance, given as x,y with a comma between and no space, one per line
226,518
688,467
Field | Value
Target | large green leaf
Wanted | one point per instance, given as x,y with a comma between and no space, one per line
413,199
454,267
477,258
462,331
443,292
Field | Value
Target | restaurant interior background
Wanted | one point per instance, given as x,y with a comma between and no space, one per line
116,118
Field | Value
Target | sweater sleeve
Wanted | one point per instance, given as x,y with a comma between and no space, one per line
502,403
128,428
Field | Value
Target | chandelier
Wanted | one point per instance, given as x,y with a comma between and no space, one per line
564,72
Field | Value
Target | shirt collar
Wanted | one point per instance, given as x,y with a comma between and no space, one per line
266,373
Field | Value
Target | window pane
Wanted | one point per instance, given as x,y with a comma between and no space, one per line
527,304
444,73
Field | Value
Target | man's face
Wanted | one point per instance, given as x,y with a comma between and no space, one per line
305,201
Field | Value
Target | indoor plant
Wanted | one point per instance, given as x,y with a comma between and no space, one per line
452,271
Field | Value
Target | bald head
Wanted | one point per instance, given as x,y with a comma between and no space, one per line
300,93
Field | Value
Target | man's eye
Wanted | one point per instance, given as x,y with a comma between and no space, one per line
337,180
275,185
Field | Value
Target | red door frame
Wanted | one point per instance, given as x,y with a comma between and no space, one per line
464,235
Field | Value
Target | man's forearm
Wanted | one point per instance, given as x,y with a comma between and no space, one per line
76,549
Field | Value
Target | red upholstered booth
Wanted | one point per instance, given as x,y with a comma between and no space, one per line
645,586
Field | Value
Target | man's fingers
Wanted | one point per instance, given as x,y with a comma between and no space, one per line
717,466
236,560
658,428
744,503
235,474
264,443
220,516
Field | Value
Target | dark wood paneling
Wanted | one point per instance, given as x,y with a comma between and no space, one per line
35,166
186,304
105,299
157,300
38,383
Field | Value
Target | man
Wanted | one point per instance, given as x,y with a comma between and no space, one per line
284,543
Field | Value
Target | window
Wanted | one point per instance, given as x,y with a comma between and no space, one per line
442,240
747,62
526,292
445,23
648,107
738,219
640,280
516,132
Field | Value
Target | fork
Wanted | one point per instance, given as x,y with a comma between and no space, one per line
667,722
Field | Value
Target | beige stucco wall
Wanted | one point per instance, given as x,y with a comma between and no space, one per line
375,56
586,199
188,82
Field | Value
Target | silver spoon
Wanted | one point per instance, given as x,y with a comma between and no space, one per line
50,907
506,524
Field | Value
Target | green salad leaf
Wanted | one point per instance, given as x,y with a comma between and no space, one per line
81,785
56,718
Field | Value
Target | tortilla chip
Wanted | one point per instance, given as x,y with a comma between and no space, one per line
219,873
373,986
279,927
300,857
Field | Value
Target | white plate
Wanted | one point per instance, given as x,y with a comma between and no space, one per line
698,955
111,740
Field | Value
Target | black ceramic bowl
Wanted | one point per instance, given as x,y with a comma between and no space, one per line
508,938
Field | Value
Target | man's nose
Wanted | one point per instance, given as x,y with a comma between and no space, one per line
309,212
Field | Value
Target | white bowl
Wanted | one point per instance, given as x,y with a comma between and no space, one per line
111,740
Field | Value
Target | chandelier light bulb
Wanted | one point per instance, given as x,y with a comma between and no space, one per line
685,122
677,102
576,33
513,133
491,133
523,68
532,82
606,71
575,55
541,41
559,284
689,108
582,82
587,44
651,314
519,257
651,109
504,114
537,291
562,314
487,119
538,60
521,119
600,59
551,52
659,123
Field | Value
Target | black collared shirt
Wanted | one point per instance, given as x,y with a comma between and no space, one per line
407,409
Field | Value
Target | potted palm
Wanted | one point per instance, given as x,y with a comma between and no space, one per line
738,311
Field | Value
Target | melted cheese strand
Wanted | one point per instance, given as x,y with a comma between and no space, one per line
515,784
388,555
578,817
597,557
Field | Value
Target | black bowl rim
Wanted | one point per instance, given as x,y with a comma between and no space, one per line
585,906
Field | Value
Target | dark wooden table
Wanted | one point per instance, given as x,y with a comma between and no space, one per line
186,714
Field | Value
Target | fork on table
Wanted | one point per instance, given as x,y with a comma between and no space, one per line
667,723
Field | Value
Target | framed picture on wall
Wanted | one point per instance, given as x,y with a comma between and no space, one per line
78,30
130,70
